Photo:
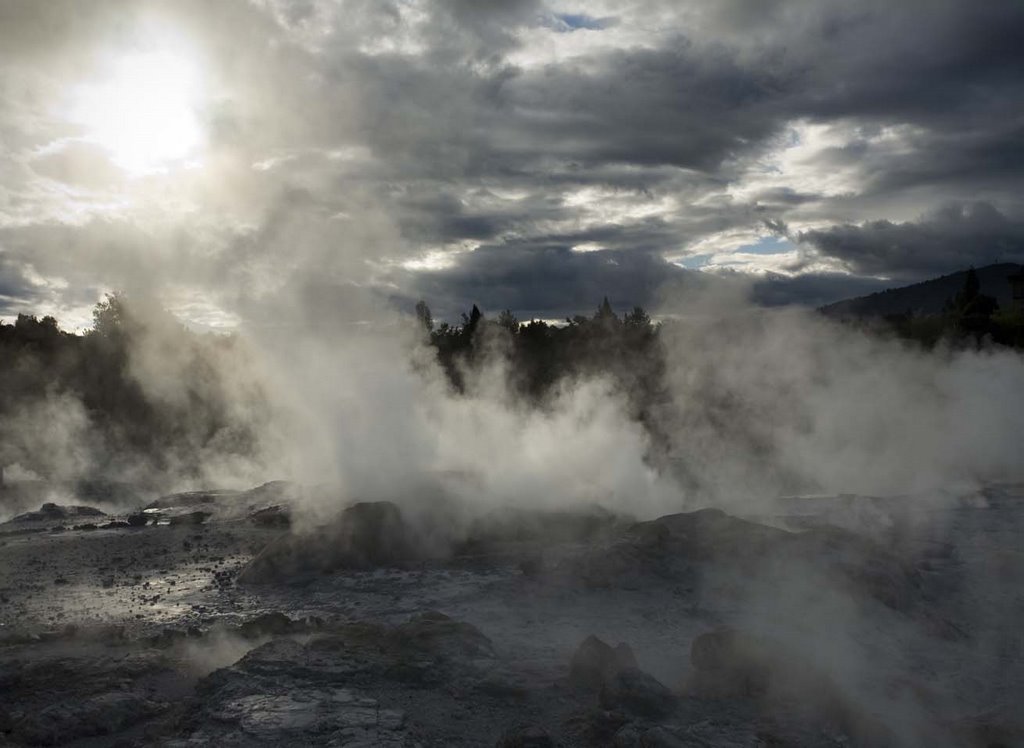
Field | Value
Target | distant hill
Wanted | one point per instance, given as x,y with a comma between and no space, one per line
927,297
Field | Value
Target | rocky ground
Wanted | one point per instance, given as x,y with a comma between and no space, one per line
207,619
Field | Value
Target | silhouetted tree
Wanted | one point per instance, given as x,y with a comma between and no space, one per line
471,322
971,311
637,318
508,321
605,313
424,316
109,316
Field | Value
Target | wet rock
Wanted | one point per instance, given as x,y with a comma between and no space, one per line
427,650
634,691
525,737
74,719
308,713
51,698
594,662
366,535
328,691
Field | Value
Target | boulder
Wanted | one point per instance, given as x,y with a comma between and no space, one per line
373,534
139,519
436,633
728,663
669,547
633,691
594,662
273,623
190,518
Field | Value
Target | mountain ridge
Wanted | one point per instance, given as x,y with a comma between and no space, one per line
927,297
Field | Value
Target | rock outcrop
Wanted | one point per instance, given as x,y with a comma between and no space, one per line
50,512
676,546
365,535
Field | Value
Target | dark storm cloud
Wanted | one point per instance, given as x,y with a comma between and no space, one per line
690,103
529,127
950,73
678,107
947,240
990,159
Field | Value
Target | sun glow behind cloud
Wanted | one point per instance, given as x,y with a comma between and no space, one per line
143,113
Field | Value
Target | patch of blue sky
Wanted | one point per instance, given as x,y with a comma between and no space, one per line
577,21
768,245
694,261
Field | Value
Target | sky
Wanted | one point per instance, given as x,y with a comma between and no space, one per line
230,157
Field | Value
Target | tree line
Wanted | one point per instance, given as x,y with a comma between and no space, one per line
137,394
538,355
142,394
